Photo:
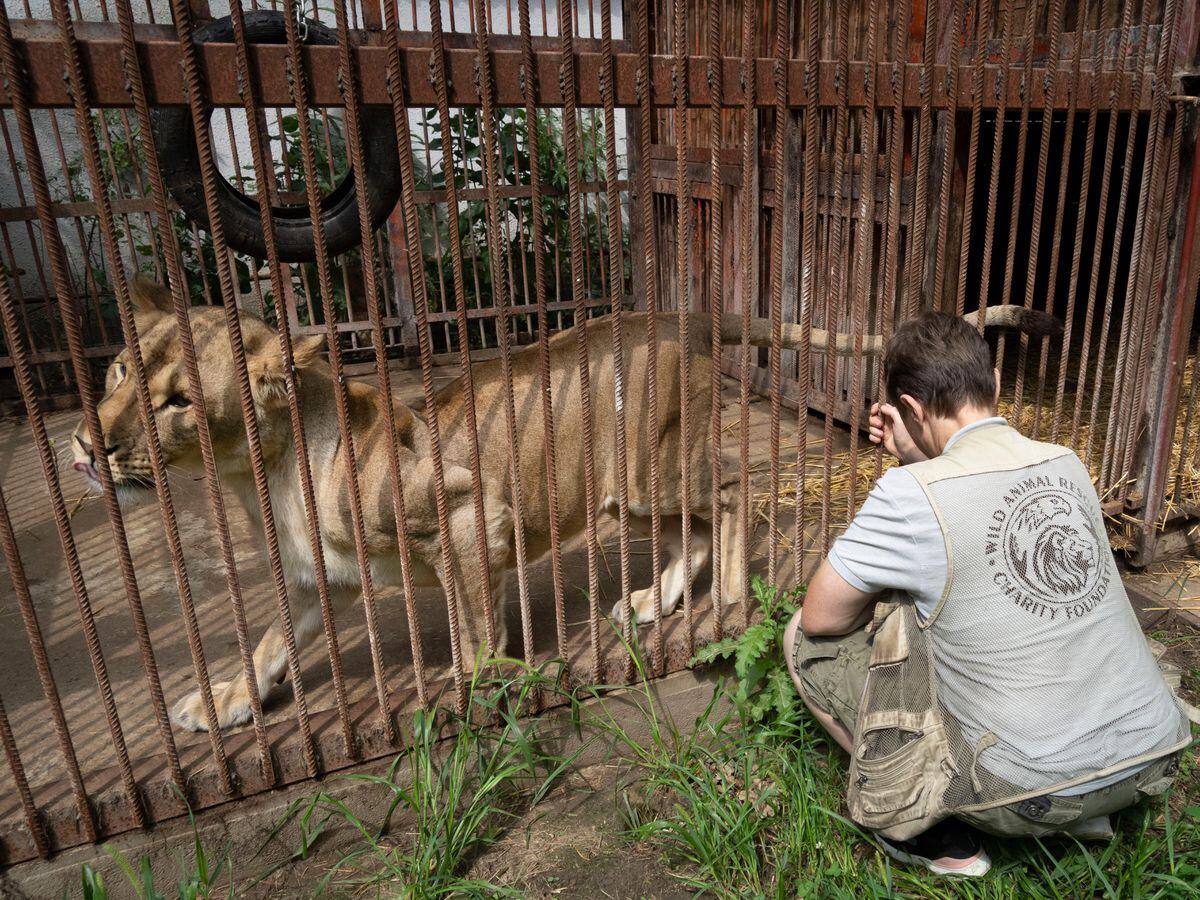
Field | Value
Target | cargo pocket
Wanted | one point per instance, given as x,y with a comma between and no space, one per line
900,771
1156,779
901,764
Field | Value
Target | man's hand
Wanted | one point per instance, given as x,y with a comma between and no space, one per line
887,428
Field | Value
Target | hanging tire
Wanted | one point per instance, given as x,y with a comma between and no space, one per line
179,160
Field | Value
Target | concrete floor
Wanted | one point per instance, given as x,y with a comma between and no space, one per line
56,608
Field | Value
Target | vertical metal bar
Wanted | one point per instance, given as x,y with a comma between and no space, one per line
184,31
33,820
529,90
808,268
1073,87
499,288
300,100
1156,298
1050,88
265,177
683,210
37,646
749,226
400,113
957,36
183,26
779,79
1114,93
437,72
15,77
421,306
895,195
1171,342
835,289
616,263
99,189
1076,258
1118,239
1131,365
865,243
1010,239
914,273
983,29
716,297
997,153
180,301
145,407
567,84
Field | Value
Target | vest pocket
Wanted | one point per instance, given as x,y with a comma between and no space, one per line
900,770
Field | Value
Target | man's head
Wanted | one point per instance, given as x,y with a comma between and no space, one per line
938,371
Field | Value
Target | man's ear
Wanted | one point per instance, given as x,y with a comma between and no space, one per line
913,408
996,395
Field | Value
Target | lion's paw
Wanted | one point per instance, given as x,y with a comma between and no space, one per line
642,603
189,712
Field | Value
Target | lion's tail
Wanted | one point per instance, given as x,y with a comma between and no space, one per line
1030,321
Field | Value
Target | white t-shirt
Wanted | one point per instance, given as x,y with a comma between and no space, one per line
895,543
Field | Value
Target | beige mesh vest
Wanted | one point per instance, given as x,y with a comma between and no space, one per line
1032,675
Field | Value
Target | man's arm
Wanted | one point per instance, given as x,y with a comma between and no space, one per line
833,606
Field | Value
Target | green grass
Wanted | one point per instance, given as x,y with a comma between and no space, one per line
459,782
748,805
203,876
745,800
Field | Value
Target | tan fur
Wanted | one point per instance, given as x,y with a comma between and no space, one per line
126,444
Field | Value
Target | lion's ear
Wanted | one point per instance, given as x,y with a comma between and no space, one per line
307,350
266,367
149,297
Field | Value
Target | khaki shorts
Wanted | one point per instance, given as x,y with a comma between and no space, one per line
833,672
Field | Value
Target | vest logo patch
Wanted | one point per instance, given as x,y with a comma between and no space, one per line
1045,553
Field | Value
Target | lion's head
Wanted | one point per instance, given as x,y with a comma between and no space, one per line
1063,560
124,439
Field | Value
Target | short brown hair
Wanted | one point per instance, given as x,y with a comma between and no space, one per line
941,361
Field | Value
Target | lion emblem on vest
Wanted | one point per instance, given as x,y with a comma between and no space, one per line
1052,547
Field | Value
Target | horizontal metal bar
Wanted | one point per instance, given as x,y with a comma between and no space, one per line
56,356
164,84
513,192
82,208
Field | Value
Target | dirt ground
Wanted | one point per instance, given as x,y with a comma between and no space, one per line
42,555
569,846
56,608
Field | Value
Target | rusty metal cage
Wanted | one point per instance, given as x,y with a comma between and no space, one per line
768,186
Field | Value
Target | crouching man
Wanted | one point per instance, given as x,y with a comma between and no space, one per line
968,640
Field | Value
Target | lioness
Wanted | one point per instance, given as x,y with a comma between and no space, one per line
125,444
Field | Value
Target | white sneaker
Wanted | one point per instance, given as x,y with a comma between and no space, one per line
948,848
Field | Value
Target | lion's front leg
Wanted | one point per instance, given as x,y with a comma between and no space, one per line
232,698
467,579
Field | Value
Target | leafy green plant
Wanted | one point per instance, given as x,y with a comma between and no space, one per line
763,690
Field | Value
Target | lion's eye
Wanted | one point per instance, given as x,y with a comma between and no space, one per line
178,401
119,372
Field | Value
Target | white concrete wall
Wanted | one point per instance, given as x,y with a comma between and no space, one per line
56,129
